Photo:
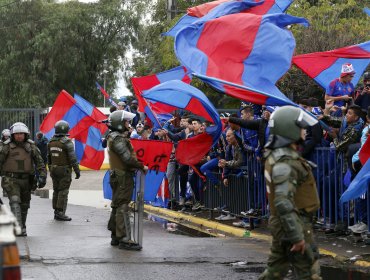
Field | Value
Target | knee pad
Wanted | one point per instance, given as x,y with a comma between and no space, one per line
14,199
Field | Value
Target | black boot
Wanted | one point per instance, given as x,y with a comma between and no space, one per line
114,240
59,216
129,245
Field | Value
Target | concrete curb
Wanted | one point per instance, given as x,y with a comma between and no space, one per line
220,230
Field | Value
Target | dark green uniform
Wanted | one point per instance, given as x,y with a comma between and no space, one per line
123,163
61,160
18,162
293,199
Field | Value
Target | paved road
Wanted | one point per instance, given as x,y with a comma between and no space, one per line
80,249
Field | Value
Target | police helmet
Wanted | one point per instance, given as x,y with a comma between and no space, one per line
19,127
61,127
285,125
5,133
116,120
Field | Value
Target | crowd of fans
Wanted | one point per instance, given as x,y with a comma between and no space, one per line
344,127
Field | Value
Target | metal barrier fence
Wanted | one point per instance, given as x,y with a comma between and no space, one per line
31,117
247,191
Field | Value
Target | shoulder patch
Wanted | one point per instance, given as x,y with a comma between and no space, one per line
30,141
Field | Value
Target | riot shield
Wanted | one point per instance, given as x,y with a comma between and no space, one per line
138,209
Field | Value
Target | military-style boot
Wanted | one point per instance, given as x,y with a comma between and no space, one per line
59,216
114,240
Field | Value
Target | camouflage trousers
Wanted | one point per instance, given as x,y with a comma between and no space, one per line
19,194
122,183
305,266
62,179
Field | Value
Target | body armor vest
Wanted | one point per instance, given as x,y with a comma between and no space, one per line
115,161
306,197
19,159
58,153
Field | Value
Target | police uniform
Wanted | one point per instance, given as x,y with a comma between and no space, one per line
123,163
293,201
292,197
17,166
61,159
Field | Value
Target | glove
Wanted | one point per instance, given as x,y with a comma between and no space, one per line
41,182
78,175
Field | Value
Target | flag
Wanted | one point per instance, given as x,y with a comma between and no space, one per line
163,194
364,154
220,8
88,143
66,108
183,96
359,185
246,49
155,155
107,189
106,95
144,83
324,67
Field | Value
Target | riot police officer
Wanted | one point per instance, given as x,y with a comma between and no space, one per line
5,135
19,157
61,160
123,163
292,195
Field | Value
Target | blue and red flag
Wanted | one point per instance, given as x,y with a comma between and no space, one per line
364,154
144,83
359,185
183,96
88,143
155,155
106,95
246,49
324,67
157,112
220,8
66,108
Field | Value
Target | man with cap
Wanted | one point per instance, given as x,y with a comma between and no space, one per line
292,197
19,159
123,163
341,89
61,160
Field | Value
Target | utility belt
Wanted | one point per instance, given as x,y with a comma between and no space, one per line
60,170
17,175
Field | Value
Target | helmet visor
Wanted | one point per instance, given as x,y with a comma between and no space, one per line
305,120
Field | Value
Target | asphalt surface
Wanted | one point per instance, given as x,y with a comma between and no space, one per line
81,249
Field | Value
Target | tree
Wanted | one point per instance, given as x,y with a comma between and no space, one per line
48,46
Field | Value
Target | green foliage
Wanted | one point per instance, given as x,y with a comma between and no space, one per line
48,46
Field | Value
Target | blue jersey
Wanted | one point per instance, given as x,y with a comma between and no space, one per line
337,88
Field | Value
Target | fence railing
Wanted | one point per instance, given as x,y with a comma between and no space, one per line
247,190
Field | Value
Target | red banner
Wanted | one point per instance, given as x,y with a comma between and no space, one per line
152,153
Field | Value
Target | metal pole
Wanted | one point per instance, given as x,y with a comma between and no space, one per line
104,89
